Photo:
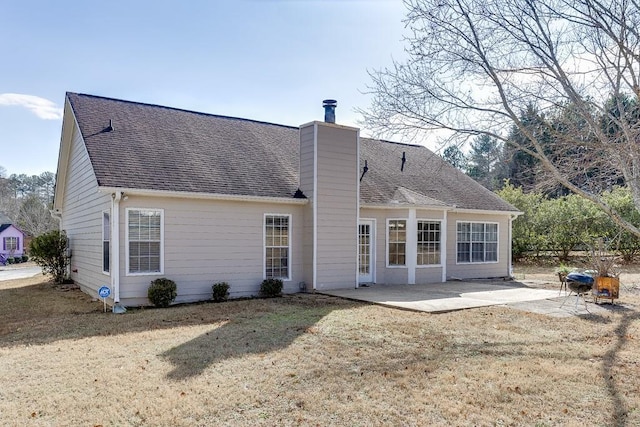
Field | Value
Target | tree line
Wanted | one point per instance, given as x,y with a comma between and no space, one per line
491,161
27,200
563,224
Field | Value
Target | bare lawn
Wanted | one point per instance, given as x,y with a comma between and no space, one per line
313,360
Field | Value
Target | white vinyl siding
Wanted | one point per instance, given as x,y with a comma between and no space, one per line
144,241
397,242
335,201
277,246
82,207
428,243
477,242
106,242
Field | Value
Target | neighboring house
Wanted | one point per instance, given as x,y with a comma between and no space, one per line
12,241
145,191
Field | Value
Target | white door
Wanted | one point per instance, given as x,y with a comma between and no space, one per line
366,257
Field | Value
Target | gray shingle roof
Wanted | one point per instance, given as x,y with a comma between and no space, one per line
4,218
160,148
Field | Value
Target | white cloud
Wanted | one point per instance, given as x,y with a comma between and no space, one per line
41,107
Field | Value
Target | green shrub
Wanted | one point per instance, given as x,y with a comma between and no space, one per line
162,292
17,259
25,258
49,251
271,288
220,291
11,260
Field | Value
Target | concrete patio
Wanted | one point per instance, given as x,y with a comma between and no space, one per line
460,295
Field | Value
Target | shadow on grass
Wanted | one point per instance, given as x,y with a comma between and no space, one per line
253,333
37,313
608,367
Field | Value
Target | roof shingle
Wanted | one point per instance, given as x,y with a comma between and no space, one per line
160,148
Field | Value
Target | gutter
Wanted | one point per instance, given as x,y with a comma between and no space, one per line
203,196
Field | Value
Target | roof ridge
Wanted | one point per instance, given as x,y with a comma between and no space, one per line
184,110
406,144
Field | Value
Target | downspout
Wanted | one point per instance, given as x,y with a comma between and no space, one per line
114,266
510,267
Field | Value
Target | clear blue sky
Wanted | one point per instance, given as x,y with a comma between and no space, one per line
269,60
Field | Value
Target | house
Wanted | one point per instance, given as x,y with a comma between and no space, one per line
12,240
145,191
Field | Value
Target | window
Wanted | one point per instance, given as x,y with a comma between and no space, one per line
276,246
428,243
477,242
10,244
397,251
106,233
144,238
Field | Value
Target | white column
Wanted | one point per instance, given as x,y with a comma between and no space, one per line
444,246
412,247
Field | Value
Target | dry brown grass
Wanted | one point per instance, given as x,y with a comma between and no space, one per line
310,360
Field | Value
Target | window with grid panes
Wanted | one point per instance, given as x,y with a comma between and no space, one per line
106,237
277,246
144,235
10,244
477,242
428,242
397,242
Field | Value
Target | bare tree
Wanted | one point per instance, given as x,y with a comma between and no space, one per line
475,65
34,217
9,206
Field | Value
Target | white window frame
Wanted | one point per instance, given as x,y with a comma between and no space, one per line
436,221
289,247
497,242
145,273
406,227
11,239
107,215
373,246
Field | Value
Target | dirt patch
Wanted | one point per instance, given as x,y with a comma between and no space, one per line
310,360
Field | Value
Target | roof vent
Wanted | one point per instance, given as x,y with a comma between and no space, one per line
329,106
110,128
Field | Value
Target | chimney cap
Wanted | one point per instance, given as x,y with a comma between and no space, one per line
329,106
